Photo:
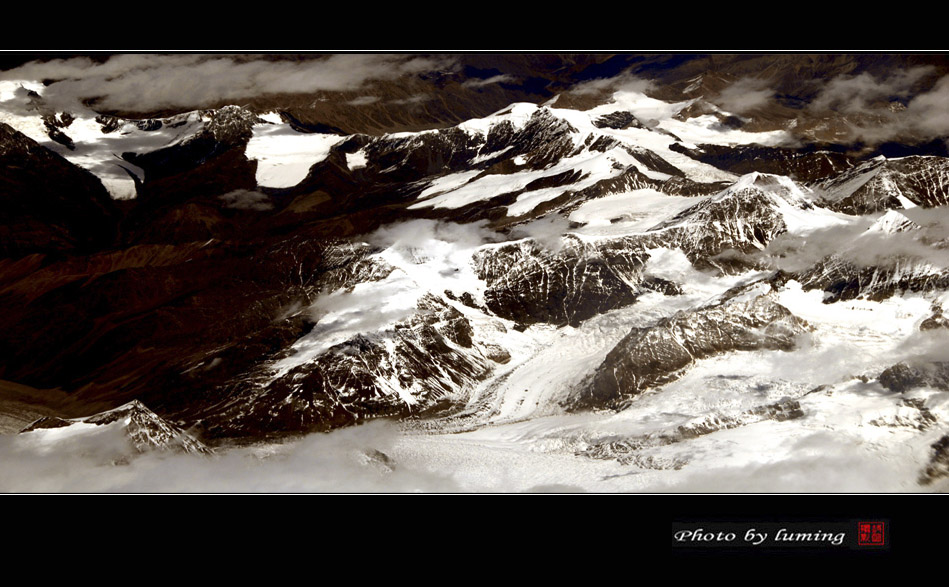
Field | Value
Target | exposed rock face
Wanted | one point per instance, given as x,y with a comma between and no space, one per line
913,413
544,140
205,165
743,218
47,422
803,165
655,355
529,283
108,123
844,280
618,120
400,167
230,125
167,324
632,178
883,266
903,377
938,466
886,184
409,163
936,321
149,124
395,372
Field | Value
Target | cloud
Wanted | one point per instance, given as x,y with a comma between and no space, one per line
928,113
363,309
856,244
247,200
924,346
148,82
744,95
422,234
363,100
378,457
925,116
547,231
624,82
353,459
821,462
933,221
412,99
497,79
875,248
819,360
857,94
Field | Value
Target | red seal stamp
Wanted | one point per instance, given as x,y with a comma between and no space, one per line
870,534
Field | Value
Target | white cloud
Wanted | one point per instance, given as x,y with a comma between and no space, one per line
363,100
624,82
547,231
865,248
853,94
744,95
928,113
824,462
925,117
477,83
418,99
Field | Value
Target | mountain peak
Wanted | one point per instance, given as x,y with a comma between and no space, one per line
145,430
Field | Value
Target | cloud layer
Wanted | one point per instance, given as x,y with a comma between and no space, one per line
893,106
856,243
148,82
349,460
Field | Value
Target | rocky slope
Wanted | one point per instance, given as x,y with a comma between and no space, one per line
649,357
887,184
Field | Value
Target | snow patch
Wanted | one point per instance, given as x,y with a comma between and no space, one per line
492,155
356,160
427,257
628,212
284,157
343,314
462,189
94,150
517,114
272,117
447,183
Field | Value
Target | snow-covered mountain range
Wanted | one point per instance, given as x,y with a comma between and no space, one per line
633,293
